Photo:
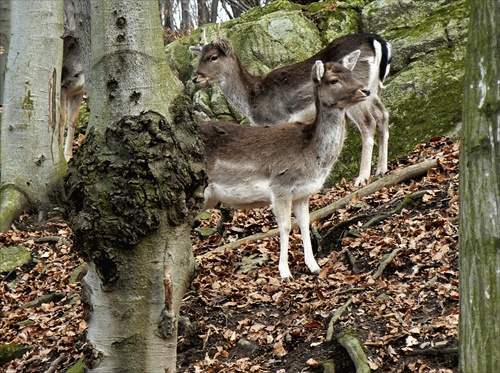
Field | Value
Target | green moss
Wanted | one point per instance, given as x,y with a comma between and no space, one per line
12,257
123,182
10,351
337,22
180,59
256,13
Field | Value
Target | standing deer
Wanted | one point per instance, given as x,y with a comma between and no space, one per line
285,94
282,165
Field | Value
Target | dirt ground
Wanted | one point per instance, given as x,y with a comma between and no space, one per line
239,316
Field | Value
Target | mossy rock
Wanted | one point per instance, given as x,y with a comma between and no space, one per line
423,90
12,257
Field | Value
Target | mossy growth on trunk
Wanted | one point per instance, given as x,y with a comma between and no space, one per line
121,181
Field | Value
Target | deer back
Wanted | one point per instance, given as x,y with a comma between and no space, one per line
285,94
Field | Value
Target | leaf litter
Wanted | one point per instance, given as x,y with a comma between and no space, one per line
238,315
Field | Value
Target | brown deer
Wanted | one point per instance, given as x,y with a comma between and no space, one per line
285,94
282,165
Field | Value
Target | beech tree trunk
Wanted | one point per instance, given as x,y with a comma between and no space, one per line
479,330
134,187
32,162
4,41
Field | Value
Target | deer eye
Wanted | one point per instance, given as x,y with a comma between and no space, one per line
334,81
214,58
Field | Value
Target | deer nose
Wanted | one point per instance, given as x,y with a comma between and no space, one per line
366,91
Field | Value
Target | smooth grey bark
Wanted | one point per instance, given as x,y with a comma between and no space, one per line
4,41
82,35
32,163
186,21
479,326
133,189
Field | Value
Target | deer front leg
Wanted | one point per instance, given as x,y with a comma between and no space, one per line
301,210
282,210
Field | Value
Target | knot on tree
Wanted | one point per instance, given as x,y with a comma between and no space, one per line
125,179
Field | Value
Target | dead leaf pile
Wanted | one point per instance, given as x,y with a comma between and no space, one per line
406,316
390,258
41,310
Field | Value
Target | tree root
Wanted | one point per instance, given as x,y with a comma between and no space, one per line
12,204
386,259
53,239
394,178
412,200
55,363
351,343
334,319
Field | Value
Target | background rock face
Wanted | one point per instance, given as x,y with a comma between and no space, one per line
423,91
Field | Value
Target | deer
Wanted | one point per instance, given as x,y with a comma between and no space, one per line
72,80
285,94
282,165
72,91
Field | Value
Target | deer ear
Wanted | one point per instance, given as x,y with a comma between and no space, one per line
195,49
226,47
349,60
317,72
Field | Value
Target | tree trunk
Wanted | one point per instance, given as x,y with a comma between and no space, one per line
82,35
214,7
32,163
186,22
203,12
479,329
133,189
4,41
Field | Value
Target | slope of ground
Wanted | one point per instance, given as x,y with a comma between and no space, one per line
239,316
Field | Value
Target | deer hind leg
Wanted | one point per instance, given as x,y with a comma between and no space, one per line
282,208
382,117
301,210
366,123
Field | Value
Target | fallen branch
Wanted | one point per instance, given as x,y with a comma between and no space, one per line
385,262
54,239
408,201
55,363
392,179
334,319
351,343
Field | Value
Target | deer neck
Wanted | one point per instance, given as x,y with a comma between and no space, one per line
328,134
237,87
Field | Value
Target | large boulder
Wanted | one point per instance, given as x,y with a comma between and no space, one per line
423,91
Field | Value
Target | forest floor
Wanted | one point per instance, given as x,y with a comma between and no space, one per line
239,316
